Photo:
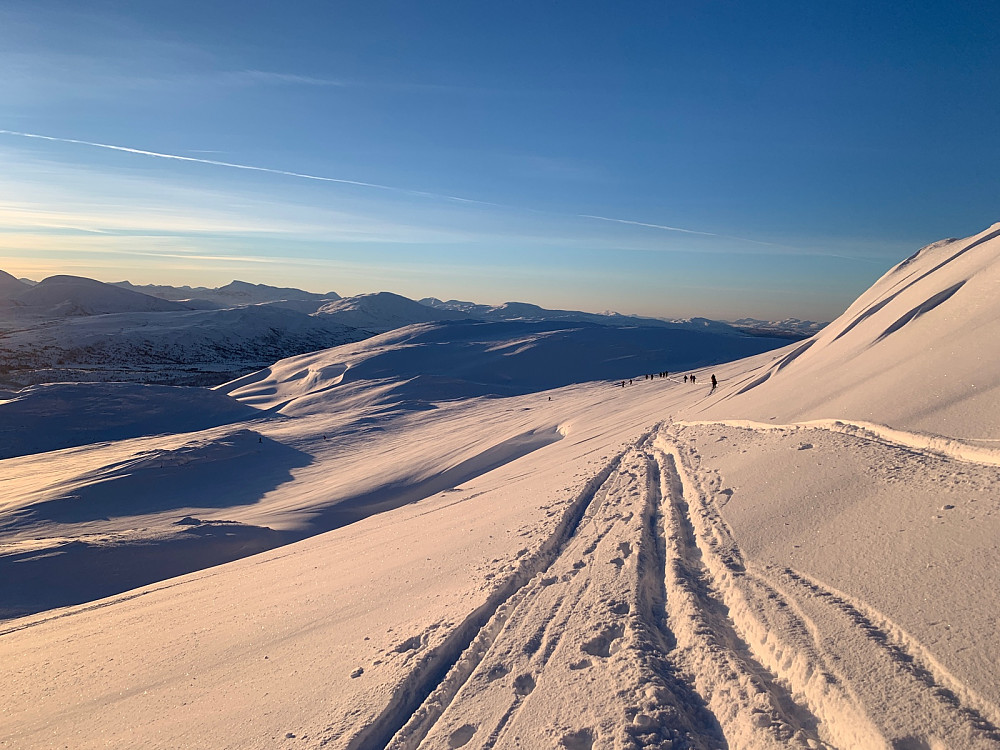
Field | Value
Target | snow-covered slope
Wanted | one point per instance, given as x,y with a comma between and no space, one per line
524,311
236,293
59,296
431,362
787,326
917,350
11,286
383,311
60,415
184,347
663,565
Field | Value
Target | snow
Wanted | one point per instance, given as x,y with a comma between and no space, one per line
10,286
234,294
174,347
465,546
383,311
59,296
59,415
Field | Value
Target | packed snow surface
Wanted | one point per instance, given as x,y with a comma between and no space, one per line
803,557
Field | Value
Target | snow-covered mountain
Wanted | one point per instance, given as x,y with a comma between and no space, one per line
791,327
383,311
525,311
234,294
915,350
801,557
62,296
186,347
11,286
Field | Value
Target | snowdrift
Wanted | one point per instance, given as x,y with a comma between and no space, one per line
61,415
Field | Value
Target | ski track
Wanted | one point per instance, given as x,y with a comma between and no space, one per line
643,602
824,645
419,700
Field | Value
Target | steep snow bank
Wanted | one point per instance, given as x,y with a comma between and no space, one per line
917,351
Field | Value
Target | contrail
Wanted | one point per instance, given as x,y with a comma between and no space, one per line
359,183
675,229
248,167
651,226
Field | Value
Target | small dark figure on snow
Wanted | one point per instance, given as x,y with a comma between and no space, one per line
685,378
714,382
692,378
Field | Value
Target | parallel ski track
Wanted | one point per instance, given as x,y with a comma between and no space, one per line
770,608
755,708
409,713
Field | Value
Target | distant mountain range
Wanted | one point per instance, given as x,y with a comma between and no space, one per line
234,294
71,328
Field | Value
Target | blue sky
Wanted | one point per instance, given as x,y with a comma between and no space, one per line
659,158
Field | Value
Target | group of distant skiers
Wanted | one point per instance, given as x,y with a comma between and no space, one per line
692,378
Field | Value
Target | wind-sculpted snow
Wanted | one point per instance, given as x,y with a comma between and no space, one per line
917,351
421,364
61,415
801,557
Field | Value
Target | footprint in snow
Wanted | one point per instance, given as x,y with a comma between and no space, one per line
496,672
462,735
524,684
410,644
619,608
603,645
581,739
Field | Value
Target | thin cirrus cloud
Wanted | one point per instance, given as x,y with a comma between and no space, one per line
367,185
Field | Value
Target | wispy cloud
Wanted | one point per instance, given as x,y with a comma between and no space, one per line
370,185
679,229
247,167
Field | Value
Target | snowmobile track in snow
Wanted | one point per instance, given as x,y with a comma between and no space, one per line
419,701
642,605
798,627
753,706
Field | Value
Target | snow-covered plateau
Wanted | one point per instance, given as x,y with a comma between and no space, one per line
520,534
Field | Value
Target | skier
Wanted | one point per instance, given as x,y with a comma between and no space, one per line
714,382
